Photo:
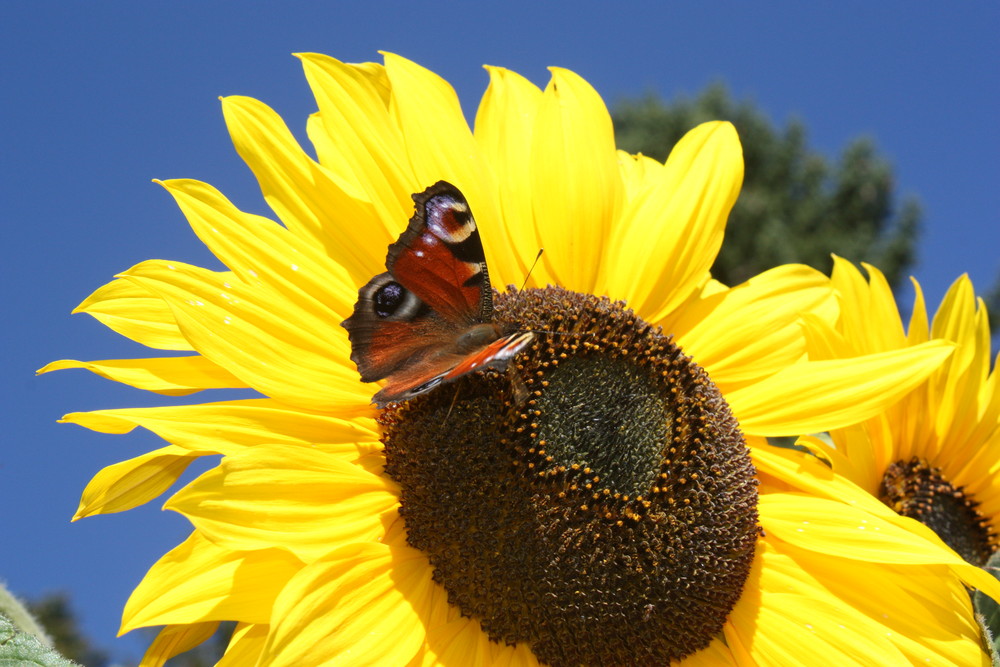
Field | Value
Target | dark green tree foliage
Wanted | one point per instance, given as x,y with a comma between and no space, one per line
795,206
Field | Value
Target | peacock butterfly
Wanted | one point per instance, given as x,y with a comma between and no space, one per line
429,318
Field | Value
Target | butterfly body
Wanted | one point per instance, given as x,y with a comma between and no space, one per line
429,318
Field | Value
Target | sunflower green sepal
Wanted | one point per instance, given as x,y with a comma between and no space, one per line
988,613
19,649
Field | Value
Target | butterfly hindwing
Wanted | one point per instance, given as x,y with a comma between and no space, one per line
389,328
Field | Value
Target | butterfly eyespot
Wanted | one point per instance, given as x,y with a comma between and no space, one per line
388,299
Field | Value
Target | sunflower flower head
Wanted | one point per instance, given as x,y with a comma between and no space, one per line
933,455
588,498
616,501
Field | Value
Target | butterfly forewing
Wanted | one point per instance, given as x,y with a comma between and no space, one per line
429,318
440,257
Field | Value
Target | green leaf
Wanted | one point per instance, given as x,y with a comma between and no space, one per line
18,649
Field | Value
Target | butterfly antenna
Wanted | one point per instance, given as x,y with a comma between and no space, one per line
537,257
452,406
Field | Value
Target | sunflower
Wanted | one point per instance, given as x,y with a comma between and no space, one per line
932,458
607,516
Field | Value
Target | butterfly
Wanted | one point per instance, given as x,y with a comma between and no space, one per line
429,318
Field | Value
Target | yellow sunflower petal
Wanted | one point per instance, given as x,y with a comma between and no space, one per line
639,173
198,581
978,474
462,642
955,318
174,640
815,396
262,252
754,328
311,200
300,499
836,529
171,376
918,330
824,341
363,602
276,346
852,455
814,476
438,141
786,615
127,484
888,332
378,79
671,233
371,155
504,123
970,423
574,163
228,427
868,309
924,612
956,386
245,646
441,146
135,313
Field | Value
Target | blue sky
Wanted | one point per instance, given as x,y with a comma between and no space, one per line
100,98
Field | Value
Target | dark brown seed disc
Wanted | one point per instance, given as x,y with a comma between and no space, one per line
596,501
919,491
